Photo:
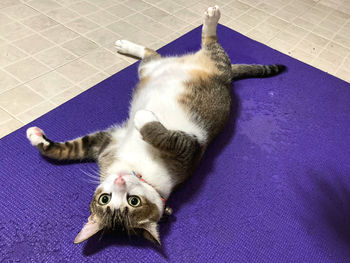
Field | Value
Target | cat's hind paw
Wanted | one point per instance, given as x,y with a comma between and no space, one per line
211,18
212,15
129,48
143,117
36,136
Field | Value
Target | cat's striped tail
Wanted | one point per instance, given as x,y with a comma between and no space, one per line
242,71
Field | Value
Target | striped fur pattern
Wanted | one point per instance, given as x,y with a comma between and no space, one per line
178,107
243,71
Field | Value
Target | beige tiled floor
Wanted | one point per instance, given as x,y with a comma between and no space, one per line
52,50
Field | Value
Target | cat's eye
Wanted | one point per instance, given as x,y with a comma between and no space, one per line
104,199
134,201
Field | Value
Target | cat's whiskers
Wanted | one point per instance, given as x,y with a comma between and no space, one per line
93,179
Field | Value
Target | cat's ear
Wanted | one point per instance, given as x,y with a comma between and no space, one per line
151,233
89,229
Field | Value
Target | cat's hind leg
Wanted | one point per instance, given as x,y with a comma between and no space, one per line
211,46
86,147
144,53
129,48
211,19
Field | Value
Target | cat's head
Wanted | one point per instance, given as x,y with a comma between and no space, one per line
127,203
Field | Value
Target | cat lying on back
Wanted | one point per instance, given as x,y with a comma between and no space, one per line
178,107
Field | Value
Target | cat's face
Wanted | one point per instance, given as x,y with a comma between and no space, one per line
122,201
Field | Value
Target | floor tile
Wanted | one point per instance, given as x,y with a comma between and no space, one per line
5,19
324,65
82,25
184,14
63,15
9,126
137,5
36,112
19,99
277,22
104,3
92,81
14,31
120,11
76,71
344,74
156,13
7,3
101,58
27,69
50,84
80,46
117,67
258,14
33,44
249,20
338,49
10,54
4,116
19,12
59,34
102,18
301,55
239,26
173,22
169,6
7,81
342,40
43,5
331,57
39,22
122,28
83,8
281,45
66,3
66,95
55,57
103,36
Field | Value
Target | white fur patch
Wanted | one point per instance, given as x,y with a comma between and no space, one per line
35,136
130,48
160,94
143,117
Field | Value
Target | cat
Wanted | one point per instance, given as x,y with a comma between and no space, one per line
179,105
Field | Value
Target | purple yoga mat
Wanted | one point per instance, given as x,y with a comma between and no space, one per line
273,187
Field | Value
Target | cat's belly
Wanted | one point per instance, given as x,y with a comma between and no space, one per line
160,95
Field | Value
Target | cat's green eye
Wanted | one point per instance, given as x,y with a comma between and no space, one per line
104,199
134,201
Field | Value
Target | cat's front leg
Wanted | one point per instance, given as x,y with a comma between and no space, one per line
86,147
173,142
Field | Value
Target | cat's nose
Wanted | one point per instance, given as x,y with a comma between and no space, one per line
119,181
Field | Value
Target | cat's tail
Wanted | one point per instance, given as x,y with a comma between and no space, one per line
242,71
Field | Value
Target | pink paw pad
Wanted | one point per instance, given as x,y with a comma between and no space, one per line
35,136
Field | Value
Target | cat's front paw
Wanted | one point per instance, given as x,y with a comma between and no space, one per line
36,136
143,117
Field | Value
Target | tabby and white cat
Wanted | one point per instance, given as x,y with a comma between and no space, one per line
178,107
